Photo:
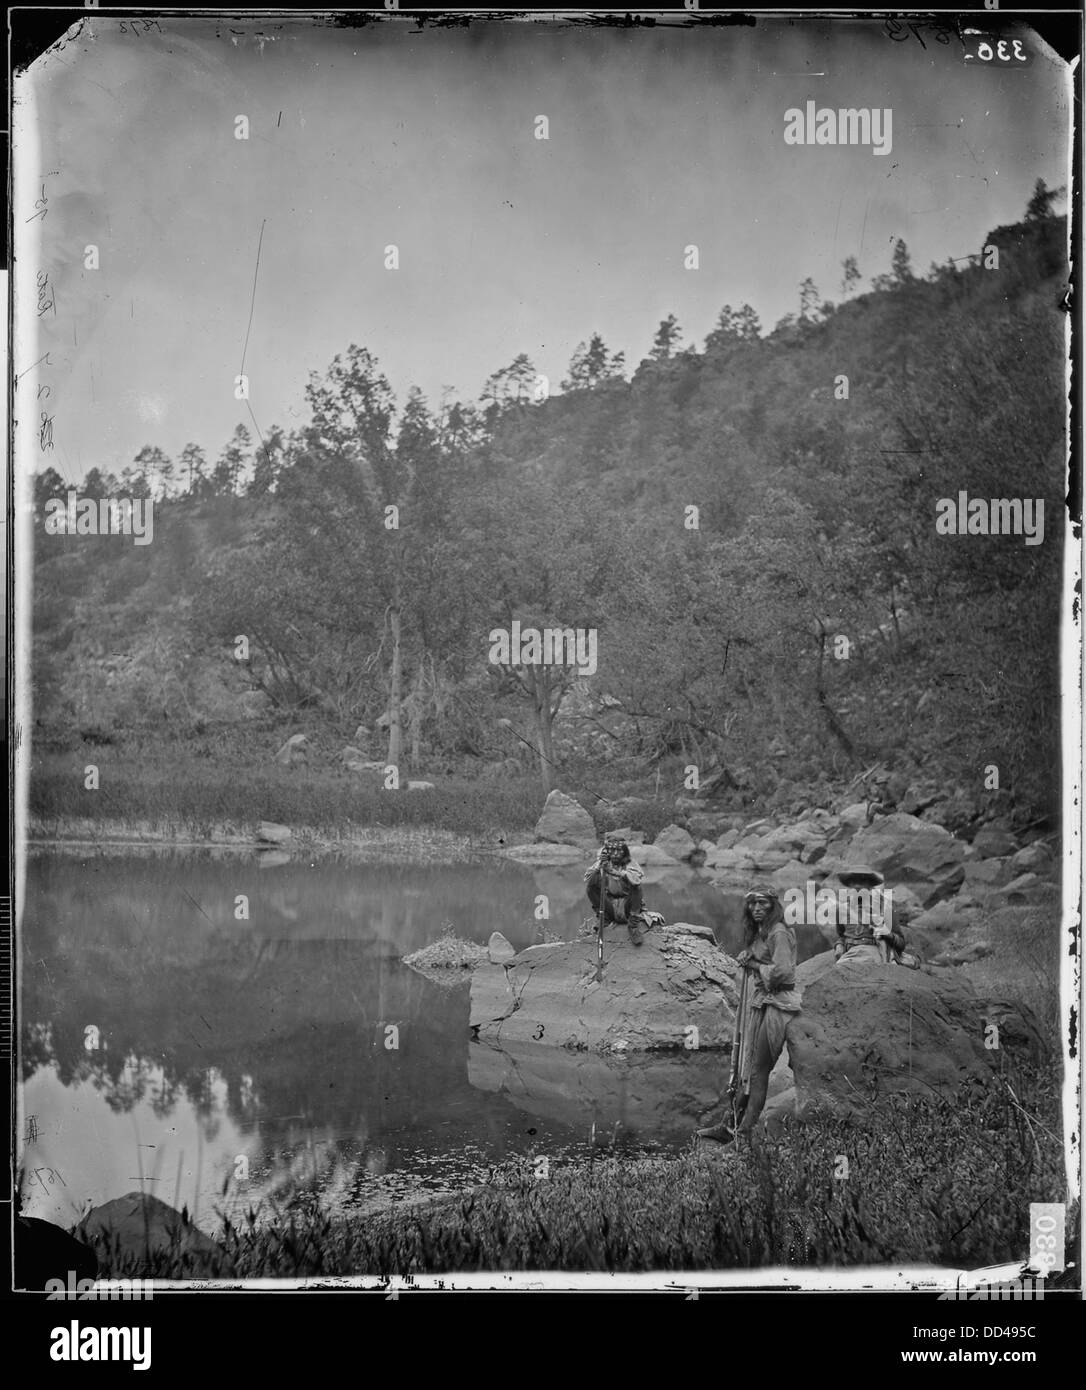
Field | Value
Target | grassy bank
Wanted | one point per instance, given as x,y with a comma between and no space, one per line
927,1180
179,792
208,786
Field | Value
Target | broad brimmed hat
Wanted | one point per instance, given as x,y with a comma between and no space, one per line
859,873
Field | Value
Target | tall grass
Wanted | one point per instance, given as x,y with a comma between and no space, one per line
922,1179
175,790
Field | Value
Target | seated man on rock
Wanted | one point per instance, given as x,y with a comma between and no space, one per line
866,934
618,877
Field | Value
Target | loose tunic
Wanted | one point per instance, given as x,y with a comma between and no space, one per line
770,998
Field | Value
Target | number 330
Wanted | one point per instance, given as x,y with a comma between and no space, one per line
985,52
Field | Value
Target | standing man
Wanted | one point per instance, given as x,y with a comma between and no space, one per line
769,1003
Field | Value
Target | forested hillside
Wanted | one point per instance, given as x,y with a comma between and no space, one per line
814,455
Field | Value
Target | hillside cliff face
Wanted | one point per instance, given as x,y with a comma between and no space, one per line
750,530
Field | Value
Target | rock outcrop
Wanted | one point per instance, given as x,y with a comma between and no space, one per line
898,1030
649,996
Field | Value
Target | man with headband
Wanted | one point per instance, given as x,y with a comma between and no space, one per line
769,1001
618,877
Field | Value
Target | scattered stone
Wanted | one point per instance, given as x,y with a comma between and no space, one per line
1028,888
449,959
954,814
989,843
919,797
800,838
985,875
1032,859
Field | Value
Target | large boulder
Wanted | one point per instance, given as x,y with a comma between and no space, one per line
801,838
908,850
676,842
896,1030
649,995
565,822
139,1224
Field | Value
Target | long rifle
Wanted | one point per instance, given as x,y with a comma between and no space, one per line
602,916
738,1039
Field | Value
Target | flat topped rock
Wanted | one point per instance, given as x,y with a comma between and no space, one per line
650,996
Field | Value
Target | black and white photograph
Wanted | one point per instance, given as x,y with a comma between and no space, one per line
545,658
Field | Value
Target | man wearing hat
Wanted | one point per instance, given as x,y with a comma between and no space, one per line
866,935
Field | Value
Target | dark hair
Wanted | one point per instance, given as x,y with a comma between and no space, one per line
750,926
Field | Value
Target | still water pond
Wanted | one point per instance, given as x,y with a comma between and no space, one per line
165,1041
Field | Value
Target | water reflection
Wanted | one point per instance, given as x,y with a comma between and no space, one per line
198,1022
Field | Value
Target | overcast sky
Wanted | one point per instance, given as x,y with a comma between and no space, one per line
659,138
